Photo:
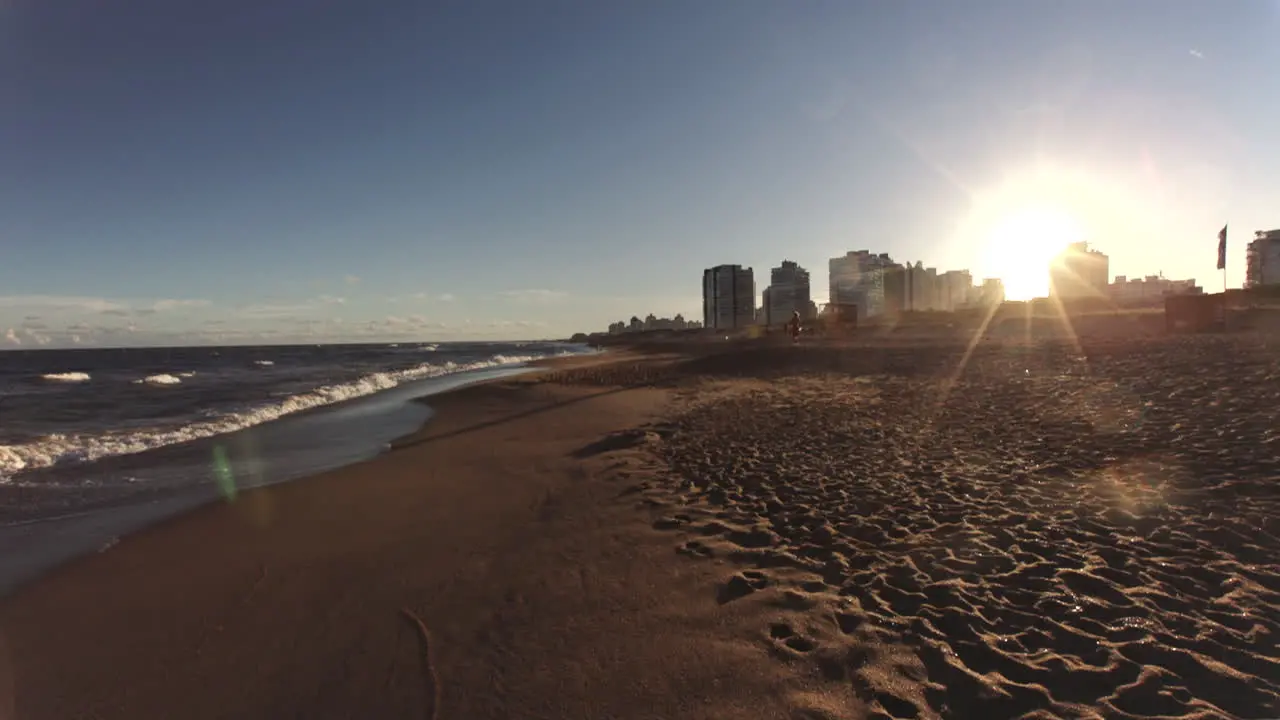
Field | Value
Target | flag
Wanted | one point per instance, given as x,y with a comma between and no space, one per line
1222,248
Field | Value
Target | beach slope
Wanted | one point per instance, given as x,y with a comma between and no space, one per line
492,566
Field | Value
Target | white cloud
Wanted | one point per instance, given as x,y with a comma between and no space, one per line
285,310
1196,54
442,297
99,305
534,295
61,302
352,279
517,324
170,304
12,337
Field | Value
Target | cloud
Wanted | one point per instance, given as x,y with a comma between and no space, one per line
1196,54
99,305
283,310
534,296
12,337
170,304
30,325
443,297
61,302
517,324
351,279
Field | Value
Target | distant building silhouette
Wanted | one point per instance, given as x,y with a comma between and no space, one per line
1262,259
788,292
955,290
991,292
651,323
1079,272
1150,289
857,278
728,297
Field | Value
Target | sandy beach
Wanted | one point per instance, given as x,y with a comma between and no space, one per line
923,529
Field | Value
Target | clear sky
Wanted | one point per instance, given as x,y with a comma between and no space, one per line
274,170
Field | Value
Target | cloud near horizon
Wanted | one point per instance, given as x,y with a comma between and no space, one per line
99,305
535,295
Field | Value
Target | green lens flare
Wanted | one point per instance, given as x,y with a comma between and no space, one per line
223,474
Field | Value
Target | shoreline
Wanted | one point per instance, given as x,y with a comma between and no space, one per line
823,531
32,548
500,529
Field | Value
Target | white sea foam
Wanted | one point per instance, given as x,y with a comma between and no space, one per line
264,363
191,373
57,450
66,377
161,379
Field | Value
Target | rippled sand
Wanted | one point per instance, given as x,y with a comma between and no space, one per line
1036,531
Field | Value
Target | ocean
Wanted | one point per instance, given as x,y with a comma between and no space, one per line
97,444
91,428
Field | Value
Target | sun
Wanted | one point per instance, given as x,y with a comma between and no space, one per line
1021,244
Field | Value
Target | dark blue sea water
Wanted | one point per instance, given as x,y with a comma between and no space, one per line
97,444
81,429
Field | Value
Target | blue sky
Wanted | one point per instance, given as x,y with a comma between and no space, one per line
277,170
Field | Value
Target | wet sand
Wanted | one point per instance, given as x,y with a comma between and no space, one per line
486,569
821,531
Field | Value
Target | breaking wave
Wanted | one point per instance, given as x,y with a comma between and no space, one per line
69,449
66,377
161,379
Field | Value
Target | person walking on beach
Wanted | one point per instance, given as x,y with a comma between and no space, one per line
794,326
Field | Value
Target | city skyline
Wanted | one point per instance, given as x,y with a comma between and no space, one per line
496,170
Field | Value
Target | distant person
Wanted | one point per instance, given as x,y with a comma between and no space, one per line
794,326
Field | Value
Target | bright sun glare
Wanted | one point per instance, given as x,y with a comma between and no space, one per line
1021,244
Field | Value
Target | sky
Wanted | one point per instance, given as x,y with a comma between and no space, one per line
322,171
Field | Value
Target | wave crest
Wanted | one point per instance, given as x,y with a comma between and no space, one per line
161,379
58,450
66,377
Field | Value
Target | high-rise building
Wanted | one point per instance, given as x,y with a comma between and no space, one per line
1262,259
857,278
922,287
788,292
991,292
728,297
955,288
1079,272
897,290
